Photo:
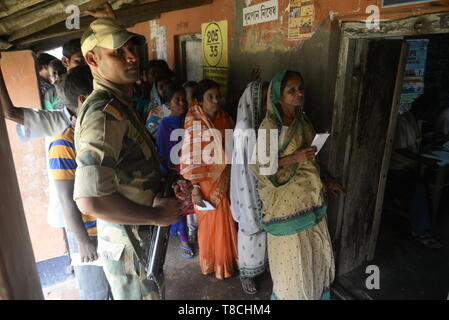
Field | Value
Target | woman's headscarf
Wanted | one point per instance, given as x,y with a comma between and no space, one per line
245,203
195,146
292,195
295,136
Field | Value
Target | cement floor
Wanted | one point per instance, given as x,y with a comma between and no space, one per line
408,270
67,290
184,281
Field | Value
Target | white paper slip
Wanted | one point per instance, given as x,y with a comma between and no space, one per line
319,141
208,206
76,261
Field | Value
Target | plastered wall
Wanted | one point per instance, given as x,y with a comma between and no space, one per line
29,157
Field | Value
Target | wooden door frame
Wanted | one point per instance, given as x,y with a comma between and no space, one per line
341,144
19,278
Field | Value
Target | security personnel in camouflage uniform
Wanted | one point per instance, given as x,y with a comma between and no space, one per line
118,177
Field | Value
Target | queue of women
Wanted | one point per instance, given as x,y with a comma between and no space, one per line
246,219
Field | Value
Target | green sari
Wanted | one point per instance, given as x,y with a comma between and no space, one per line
292,197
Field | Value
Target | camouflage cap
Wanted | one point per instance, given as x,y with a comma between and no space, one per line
107,33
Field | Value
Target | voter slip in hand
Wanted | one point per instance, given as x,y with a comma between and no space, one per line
319,141
76,261
208,206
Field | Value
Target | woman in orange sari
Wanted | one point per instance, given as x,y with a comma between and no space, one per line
204,163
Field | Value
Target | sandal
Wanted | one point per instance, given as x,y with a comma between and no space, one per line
185,255
249,286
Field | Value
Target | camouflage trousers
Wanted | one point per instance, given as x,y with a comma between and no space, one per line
126,276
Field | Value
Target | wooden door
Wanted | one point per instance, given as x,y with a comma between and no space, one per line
188,55
363,127
194,60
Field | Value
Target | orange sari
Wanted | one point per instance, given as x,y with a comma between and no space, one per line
217,231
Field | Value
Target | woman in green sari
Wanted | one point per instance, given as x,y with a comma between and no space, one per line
293,197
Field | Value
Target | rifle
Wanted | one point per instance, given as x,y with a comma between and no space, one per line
158,238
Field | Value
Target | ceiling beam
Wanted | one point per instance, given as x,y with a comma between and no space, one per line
160,6
57,31
20,26
128,16
9,8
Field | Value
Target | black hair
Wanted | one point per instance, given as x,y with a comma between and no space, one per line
190,84
171,74
162,78
161,64
159,79
71,47
149,65
203,86
170,90
79,81
43,59
57,65
288,75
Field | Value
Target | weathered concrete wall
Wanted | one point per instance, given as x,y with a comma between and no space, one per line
315,59
29,157
266,44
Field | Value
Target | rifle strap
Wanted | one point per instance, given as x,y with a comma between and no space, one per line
136,247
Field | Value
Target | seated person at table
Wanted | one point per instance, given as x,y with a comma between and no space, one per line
404,166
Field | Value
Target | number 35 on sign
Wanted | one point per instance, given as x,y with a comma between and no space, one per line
215,44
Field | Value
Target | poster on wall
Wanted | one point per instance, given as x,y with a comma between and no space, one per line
395,3
300,19
215,52
262,12
159,36
413,83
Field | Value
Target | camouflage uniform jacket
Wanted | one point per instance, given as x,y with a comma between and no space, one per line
113,155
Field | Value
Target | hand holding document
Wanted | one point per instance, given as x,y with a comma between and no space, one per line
76,261
208,206
319,141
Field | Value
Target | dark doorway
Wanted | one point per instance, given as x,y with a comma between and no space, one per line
407,268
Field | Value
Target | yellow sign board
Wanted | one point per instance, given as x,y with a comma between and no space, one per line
215,52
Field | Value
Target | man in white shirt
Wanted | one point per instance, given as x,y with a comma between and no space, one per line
37,123
404,165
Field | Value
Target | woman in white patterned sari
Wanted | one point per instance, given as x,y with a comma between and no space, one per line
245,204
